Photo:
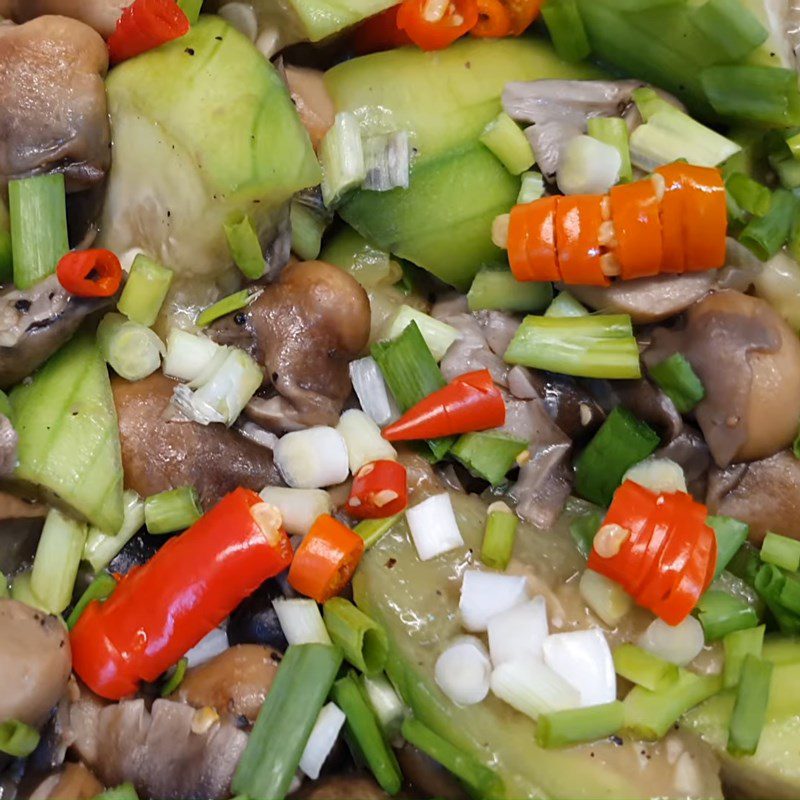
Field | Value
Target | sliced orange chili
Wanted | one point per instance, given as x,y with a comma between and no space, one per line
523,13
380,32
532,240
673,210
380,489
702,206
144,25
326,559
494,20
459,18
90,273
578,220
635,212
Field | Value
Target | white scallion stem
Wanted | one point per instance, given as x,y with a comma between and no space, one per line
588,166
313,458
210,646
679,644
463,670
518,632
342,158
583,659
386,703
322,740
433,527
437,335
485,594
363,439
230,388
301,621
299,507
188,355
533,688
605,597
372,392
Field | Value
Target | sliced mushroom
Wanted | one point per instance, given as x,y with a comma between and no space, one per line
158,454
764,494
305,329
34,323
748,360
35,662
235,682
53,101
74,782
311,98
102,15
342,787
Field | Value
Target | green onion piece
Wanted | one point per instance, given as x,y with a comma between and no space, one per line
622,441
769,583
498,289
145,291
130,349
411,373
99,589
750,708
679,382
781,551
565,26
577,725
614,131
364,731
730,26
745,562
192,9
780,650
643,668
786,166
5,591
790,594
176,677
245,247
649,102
363,642
649,715
498,538
125,791
58,556
565,305
438,335
341,155
764,236
738,645
173,510
387,705
299,691
490,456
18,739
101,547
6,249
233,302
758,94
792,137
750,195
38,213
22,592
5,405
721,613
481,780
601,346
373,530
370,266
508,143
531,187
583,529
307,231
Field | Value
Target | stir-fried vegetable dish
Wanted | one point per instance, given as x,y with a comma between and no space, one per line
399,399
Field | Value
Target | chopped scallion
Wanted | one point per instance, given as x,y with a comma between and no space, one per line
614,131
745,562
132,350
643,668
565,26
622,441
17,739
752,196
245,247
498,289
4,589
498,538
730,25
101,547
679,381
363,642
578,725
565,305
750,708
781,551
308,228
233,302
583,529
145,291
387,161
790,594
99,589
601,346
531,187
192,9
341,155
481,781
731,535
38,213
175,677
487,455
438,335
364,731
721,613
125,791
507,141
765,235
173,510
738,645
6,250
387,705
276,744
373,530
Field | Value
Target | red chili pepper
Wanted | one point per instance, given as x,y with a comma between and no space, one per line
532,251
162,609
90,273
380,489
668,559
470,403
144,25
380,33
459,18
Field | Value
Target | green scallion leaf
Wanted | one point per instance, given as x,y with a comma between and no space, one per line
721,613
643,668
751,196
565,305
192,9
17,739
245,247
307,231
578,725
679,382
173,510
175,678
731,535
363,642
508,143
233,302
498,538
781,551
764,236
99,589
750,708
738,645
565,26
583,529
498,289
145,291
730,26
487,455
373,530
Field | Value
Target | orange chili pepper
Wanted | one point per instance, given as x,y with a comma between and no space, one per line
380,32
459,18
532,240
635,212
673,210
494,20
523,13
146,24
326,559
702,210
578,220
90,273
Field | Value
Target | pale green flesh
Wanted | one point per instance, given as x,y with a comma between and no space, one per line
417,602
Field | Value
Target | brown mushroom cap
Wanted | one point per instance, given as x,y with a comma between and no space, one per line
35,662
102,15
748,360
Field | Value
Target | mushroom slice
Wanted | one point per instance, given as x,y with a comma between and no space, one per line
102,15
